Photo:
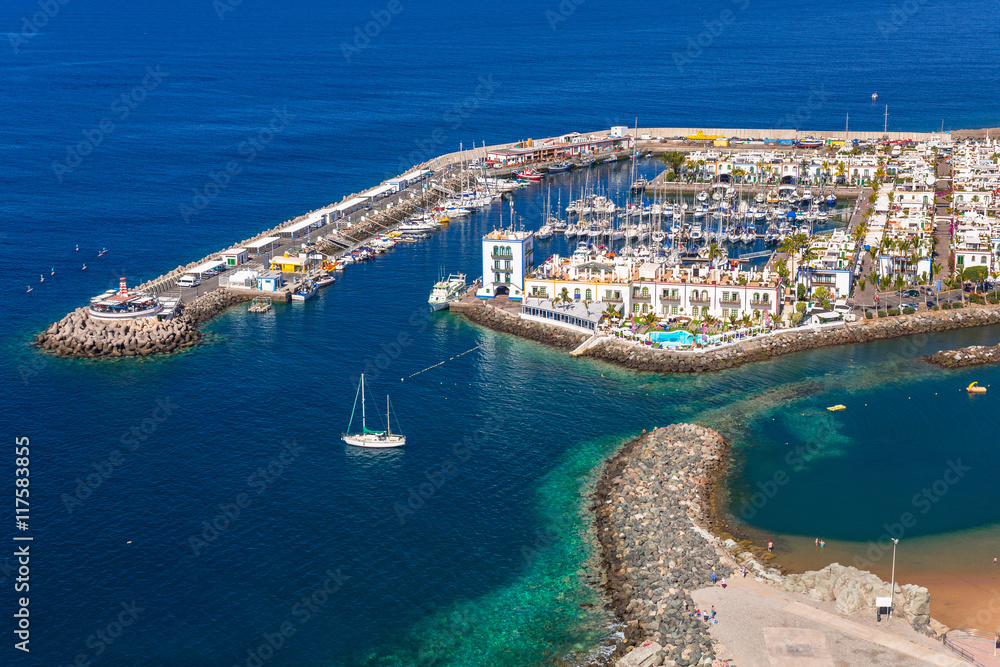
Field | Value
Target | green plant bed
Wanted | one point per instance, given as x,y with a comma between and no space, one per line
957,305
946,306
882,313
868,315
894,311
935,307
908,311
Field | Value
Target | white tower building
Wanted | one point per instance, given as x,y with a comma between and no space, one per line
508,256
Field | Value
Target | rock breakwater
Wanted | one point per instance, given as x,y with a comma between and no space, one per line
655,517
78,336
649,517
974,355
645,358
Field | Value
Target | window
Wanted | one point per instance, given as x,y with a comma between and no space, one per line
576,294
507,266
725,297
765,298
590,295
635,308
645,290
496,277
673,310
704,295
618,294
725,313
635,291
506,278
607,295
645,308
961,259
673,294
534,290
984,259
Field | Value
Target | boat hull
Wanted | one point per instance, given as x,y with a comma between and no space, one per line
373,441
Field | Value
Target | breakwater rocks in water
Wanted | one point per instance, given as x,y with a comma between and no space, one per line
974,355
650,512
79,336
500,320
645,358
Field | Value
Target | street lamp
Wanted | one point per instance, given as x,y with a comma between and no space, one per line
892,585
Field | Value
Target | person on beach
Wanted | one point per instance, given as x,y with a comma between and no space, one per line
817,541
685,605
744,571
713,611
770,546
822,544
713,575
723,582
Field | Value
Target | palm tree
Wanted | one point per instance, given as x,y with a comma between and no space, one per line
862,284
610,312
563,297
714,251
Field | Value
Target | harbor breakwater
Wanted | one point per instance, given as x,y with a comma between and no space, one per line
647,358
974,355
661,537
77,335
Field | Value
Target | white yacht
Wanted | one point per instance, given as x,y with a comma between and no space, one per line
368,438
446,291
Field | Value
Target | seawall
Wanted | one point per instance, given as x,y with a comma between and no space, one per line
646,358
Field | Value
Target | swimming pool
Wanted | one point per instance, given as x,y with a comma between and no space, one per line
671,338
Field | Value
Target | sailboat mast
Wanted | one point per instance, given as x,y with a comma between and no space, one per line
388,424
364,426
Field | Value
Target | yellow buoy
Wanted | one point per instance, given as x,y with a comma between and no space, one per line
836,408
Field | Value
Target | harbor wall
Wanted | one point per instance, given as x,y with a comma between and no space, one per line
647,359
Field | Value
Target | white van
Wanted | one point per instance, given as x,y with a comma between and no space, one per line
188,281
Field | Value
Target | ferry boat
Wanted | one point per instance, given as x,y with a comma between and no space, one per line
446,291
528,175
368,438
304,290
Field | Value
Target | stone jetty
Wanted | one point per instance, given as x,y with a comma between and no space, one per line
650,507
646,358
974,355
77,335
658,530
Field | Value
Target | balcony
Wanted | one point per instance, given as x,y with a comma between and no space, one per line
700,299
734,299
613,299
641,297
506,257
670,297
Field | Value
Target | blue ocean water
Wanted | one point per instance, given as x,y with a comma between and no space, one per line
491,568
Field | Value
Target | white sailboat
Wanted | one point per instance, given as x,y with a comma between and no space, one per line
367,438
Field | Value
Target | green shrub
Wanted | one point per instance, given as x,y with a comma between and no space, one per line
935,307
957,305
946,306
796,319
994,300
908,311
894,311
800,307
869,315
881,313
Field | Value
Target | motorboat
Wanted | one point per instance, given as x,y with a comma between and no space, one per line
446,291
305,290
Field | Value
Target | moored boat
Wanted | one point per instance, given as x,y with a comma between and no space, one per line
369,438
446,291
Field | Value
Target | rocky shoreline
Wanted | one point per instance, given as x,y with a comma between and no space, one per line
657,527
645,358
77,336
